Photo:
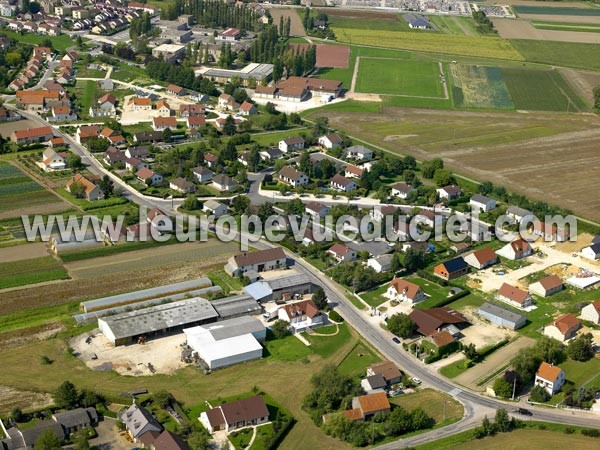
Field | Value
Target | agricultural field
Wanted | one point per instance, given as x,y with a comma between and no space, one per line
479,87
566,26
541,90
19,194
556,11
565,54
31,271
454,25
394,23
480,46
483,145
399,77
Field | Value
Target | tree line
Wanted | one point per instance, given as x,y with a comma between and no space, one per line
213,13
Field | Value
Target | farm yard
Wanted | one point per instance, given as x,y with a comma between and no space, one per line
399,77
479,87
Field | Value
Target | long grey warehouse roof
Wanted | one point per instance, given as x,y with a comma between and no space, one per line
501,312
237,326
236,305
296,279
258,72
160,317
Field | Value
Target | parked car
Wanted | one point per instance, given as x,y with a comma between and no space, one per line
396,340
523,411
416,380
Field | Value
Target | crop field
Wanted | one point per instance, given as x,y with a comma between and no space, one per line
479,87
566,26
541,91
481,46
18,191
454,25
395,23
567,54
30,271
554,11
399,77
483,145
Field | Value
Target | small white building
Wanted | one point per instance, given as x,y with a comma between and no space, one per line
291,144
381,263
359,153
547,286
482,203
402,190
342,184
301,315
404,291
562,328
550,377
516,249
341,252
592,252
330,141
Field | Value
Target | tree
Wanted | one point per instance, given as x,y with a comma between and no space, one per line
13,59
320,298
502,388
471,352
442,177
538,394
280,328
401,325
77,189
47,441
485,188
162,398
581,349
167,135
81,440
199,441
90,398
17,415
597,98
74,161
66,396
229,127
106,186
320,126
502,421
191,203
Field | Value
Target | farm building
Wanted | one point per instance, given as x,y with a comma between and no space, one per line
285,287
228,342
236,306
262,260
500,316
124,328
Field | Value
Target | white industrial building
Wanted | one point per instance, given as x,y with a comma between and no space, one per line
227,342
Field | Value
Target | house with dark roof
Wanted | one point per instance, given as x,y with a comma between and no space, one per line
260,261
330,141
169,441
452,269
519,214
387,369
591,252
342,184
182,185
202,174
402,190
373,383
482,203
238,414
450,192
341,253
291,144
76,419
139,420
430,320
224,183
293,177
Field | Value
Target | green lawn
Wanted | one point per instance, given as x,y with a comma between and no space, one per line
454,369
475,86
399,77
434,403
435,291
357,360
286,349
86,93
30,271
227,283
60,43
568,54
326,346
567,26
541,90
375,297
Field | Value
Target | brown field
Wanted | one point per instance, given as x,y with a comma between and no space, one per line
360,14
549,157
49,207
583,82
25,251
296,28
521,29
26,400
559,18
337,56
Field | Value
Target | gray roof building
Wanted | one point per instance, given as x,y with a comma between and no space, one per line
236,306
501,316
138,421
237,326
76,419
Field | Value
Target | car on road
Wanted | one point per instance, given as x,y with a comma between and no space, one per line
416,380
396,340
523,411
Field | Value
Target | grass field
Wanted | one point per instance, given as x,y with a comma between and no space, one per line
60,43
433,403
30,271
399,24
479,87
566,26
227,283
541,90
375,297
357,360
399,77
486,47
556,11
86,93
568,54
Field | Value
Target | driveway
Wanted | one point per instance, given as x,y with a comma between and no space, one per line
109,437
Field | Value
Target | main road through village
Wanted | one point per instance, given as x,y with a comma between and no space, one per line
476,406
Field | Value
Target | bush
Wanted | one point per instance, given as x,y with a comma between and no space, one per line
591,432
539,395
569,430
335,316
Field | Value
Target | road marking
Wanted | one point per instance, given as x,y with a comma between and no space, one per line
455,392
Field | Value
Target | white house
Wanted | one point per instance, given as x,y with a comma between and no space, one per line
149,176
224,183
330,141
591,312
301,315
428,218
450,192
402,190
482,203
381,263
182,185
291,144
214,208
359,153
259,261
353,172
291,176
514,296
516,249
54,161
592,252
550,377
562,328
547,286
341,252
404,291
482,258
342,184
317,210
233,415
202,174
519,214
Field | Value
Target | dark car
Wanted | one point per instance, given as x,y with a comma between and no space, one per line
396,340
524,412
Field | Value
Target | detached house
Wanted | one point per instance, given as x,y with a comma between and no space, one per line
547,286
429,218
386,369
353,172
482,203
514,296
32,135
211,160
341,253
233,415
359,153
259,261
591,252
317,210
519,214
452,269
106,107
291,144
591,312
330,141
404,291
451,192
163,109
248,109
342,184
202,174
563,328
516,249
366,406
291,176
138,421
149,176
224,183
301,315
176,90
402,190
182,185
91,191
480,259
162,123
52,160
550,377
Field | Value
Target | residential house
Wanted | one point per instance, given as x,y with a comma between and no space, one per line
159,220
220,123
139,104
342,253
550,377
358,153
549,231
366,406
149,176
202,174
562,328
452,269
145,137
176,90
291,144
163,109
301,315
519,214
58,142
547,286
138,420
162,123
194,123
140,152
330,141
224,183
591,252
163,441
450,192
135,164
503,317
379,214
402,190
517,249
381,263
482,258
182,185
190,110
226,101
482,203
91,191
404,291
259,261
342,184
214,208
51,160
32,135
515,296
373,383
76,419
233,415
440,338
316,209
386,369
211,160
430,320
114,156
248,109
271,154
86,132
291,176
429,218
353,172
105,107
591,312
